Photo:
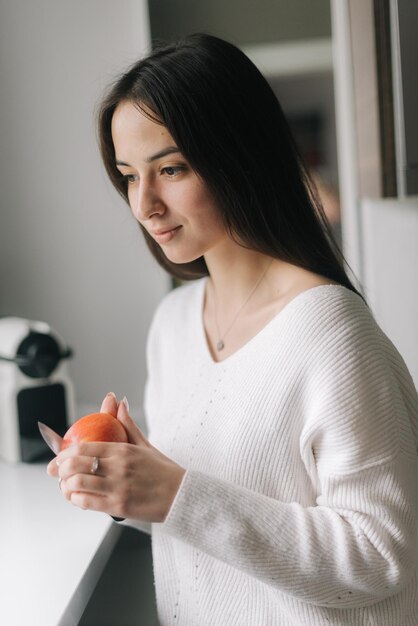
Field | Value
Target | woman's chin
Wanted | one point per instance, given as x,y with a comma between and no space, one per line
180,257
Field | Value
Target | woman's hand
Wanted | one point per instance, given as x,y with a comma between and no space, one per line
133,480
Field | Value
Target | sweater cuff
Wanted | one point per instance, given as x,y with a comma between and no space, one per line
179,504
196,508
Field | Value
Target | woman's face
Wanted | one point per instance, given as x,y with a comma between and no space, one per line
165,195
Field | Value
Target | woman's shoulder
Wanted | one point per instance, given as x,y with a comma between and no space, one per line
328,305
332,318
339,330
313,299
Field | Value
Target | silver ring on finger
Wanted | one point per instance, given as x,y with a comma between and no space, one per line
94,465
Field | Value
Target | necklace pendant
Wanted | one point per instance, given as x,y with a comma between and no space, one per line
220,345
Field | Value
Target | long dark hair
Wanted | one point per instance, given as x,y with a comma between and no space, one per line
229,125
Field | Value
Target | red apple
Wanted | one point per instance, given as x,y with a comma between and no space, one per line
95,427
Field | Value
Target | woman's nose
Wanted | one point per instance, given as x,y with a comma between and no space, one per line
145,202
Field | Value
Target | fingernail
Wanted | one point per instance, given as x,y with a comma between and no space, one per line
57,462
126,403
111,394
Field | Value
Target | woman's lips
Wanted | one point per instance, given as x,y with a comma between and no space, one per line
164,236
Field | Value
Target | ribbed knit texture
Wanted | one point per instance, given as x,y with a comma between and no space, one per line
299,504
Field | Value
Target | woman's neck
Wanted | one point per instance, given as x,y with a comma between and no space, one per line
234,271
232,276
245,290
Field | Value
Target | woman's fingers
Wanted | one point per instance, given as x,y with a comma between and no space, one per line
75,474
82,465
84,483
135,434
110,404
101,449
52,468
91,501
128,480
99,491
121,411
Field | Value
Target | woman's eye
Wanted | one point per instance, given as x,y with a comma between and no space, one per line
172,170
130,178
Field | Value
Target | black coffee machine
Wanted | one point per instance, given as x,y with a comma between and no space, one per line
34,386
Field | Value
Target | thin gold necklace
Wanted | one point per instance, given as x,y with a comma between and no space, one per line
220,344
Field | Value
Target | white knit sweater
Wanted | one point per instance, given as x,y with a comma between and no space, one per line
300,500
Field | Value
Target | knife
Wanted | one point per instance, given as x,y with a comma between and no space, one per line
54,442
51,438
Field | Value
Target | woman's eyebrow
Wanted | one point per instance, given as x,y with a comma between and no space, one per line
154,157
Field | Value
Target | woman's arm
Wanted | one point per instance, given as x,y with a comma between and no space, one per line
355,547
358,545
359,542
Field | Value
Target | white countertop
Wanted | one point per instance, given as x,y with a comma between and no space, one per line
51,552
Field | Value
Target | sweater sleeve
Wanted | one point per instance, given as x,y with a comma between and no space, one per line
358,543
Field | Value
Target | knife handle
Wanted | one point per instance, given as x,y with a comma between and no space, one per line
117,519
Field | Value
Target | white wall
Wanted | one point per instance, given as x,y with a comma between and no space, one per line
70,253
390,243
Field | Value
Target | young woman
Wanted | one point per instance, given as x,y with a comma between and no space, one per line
280,472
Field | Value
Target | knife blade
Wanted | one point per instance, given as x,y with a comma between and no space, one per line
54,442
51,438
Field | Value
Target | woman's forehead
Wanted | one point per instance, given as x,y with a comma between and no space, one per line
131,125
